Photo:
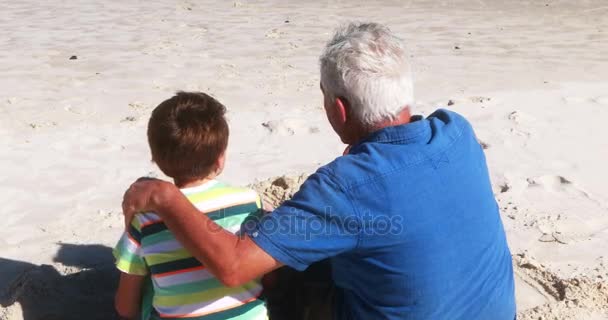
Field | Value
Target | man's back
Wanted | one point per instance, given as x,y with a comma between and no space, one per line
433,245
409,222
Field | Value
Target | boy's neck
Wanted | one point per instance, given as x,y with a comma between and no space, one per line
192,183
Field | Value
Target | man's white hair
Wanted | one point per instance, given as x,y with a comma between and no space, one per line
366,64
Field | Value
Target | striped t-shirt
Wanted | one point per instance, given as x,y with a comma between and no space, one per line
183,288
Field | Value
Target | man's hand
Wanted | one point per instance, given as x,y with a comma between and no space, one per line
145,194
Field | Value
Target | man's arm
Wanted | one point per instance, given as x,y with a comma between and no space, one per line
128,296
234,260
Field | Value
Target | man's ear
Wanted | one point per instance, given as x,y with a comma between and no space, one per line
343,109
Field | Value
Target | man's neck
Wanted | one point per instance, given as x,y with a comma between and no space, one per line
404,117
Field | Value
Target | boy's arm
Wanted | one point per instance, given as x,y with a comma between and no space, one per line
128,296
133,269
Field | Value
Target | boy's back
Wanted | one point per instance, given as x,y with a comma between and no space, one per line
183,288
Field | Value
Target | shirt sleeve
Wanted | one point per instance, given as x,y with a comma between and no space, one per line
128,252
317,223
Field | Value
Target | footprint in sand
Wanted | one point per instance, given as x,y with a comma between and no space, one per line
479,99
274,34
289,127
575,100
583,210
603,100
521,120
551,183
557,183
80,110
451,102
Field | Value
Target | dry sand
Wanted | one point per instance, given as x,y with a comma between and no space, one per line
80,79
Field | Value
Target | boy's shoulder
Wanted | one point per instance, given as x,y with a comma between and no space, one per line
221,195
217,196
225,188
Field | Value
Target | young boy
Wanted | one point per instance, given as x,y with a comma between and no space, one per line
188,136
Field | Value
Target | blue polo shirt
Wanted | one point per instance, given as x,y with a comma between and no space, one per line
409,222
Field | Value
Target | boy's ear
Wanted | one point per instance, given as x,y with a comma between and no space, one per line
219,163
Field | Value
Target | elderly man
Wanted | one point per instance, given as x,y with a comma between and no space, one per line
406,217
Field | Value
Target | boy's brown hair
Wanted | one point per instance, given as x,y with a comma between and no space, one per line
187,134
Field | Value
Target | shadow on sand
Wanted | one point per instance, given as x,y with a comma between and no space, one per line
81,286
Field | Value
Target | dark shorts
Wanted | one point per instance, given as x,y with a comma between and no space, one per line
294,295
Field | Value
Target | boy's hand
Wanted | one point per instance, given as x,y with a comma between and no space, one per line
144,195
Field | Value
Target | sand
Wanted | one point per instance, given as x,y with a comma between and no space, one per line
80,79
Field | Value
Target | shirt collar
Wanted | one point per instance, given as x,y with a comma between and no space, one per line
415,132
199,188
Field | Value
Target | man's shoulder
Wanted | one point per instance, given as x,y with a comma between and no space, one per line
451,121
333,172
345,171
447,115
370,161
323,184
